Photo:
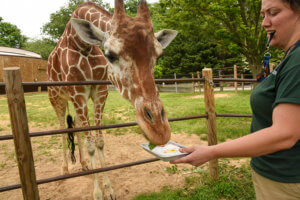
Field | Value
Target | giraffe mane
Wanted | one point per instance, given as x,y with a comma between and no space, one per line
90,3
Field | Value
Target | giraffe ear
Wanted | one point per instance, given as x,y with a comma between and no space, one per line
88,32
165,37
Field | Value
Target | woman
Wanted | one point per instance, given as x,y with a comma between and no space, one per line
274,144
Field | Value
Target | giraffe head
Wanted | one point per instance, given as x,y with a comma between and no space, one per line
132,48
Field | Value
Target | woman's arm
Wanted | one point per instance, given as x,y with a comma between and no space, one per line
283,134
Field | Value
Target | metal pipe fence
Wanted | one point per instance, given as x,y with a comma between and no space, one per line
92,128
183,80
83,173
81,129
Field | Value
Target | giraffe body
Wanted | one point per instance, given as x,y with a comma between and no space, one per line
131,49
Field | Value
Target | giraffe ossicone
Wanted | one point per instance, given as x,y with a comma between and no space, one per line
130,51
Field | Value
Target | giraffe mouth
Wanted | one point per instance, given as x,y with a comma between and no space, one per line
146,137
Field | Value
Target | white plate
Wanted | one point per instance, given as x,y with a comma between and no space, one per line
167,152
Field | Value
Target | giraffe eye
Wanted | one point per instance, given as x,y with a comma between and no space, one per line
111,57
162,113
148,114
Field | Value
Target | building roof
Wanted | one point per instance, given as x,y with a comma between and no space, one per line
8,51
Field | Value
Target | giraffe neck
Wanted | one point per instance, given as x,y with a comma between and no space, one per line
93,13
118,77
101,19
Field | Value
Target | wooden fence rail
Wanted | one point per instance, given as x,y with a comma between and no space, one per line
21,135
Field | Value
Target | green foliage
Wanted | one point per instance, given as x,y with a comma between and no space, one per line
188,54
131,7
151,146
158,71
173,169
60,18
10,35
232,26
41,46
191,51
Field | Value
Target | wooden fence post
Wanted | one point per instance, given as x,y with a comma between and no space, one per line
243,84
221,83
199,83
235,76
193,83
271,67
19,125
211,119
176,86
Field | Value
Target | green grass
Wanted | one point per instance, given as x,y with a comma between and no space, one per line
182,104
117,110
234,183
178,105
2,165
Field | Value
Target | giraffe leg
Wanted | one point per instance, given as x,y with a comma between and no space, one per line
99,97
81,153
81,109
64,166
109,193
59,104
91,150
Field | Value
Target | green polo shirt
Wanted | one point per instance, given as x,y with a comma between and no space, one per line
281,86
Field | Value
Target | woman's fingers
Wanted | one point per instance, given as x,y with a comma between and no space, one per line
185,159
197,155
187,150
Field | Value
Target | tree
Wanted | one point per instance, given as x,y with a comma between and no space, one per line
43,47
131,7
190,51
186,55
10,35
60,18
234,25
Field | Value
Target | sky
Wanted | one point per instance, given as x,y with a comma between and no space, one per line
30,15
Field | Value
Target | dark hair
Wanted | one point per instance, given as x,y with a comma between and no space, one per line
294,4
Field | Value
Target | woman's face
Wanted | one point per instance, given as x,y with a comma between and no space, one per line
278,17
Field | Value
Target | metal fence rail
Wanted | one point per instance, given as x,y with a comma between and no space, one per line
83,173
111,126
91,128
182,80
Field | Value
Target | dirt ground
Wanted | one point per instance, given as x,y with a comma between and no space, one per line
127,182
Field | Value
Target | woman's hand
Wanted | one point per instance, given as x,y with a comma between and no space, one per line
198,155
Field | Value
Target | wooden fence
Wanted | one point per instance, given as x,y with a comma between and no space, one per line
235,85
21,135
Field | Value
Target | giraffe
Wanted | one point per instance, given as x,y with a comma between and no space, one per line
130,50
